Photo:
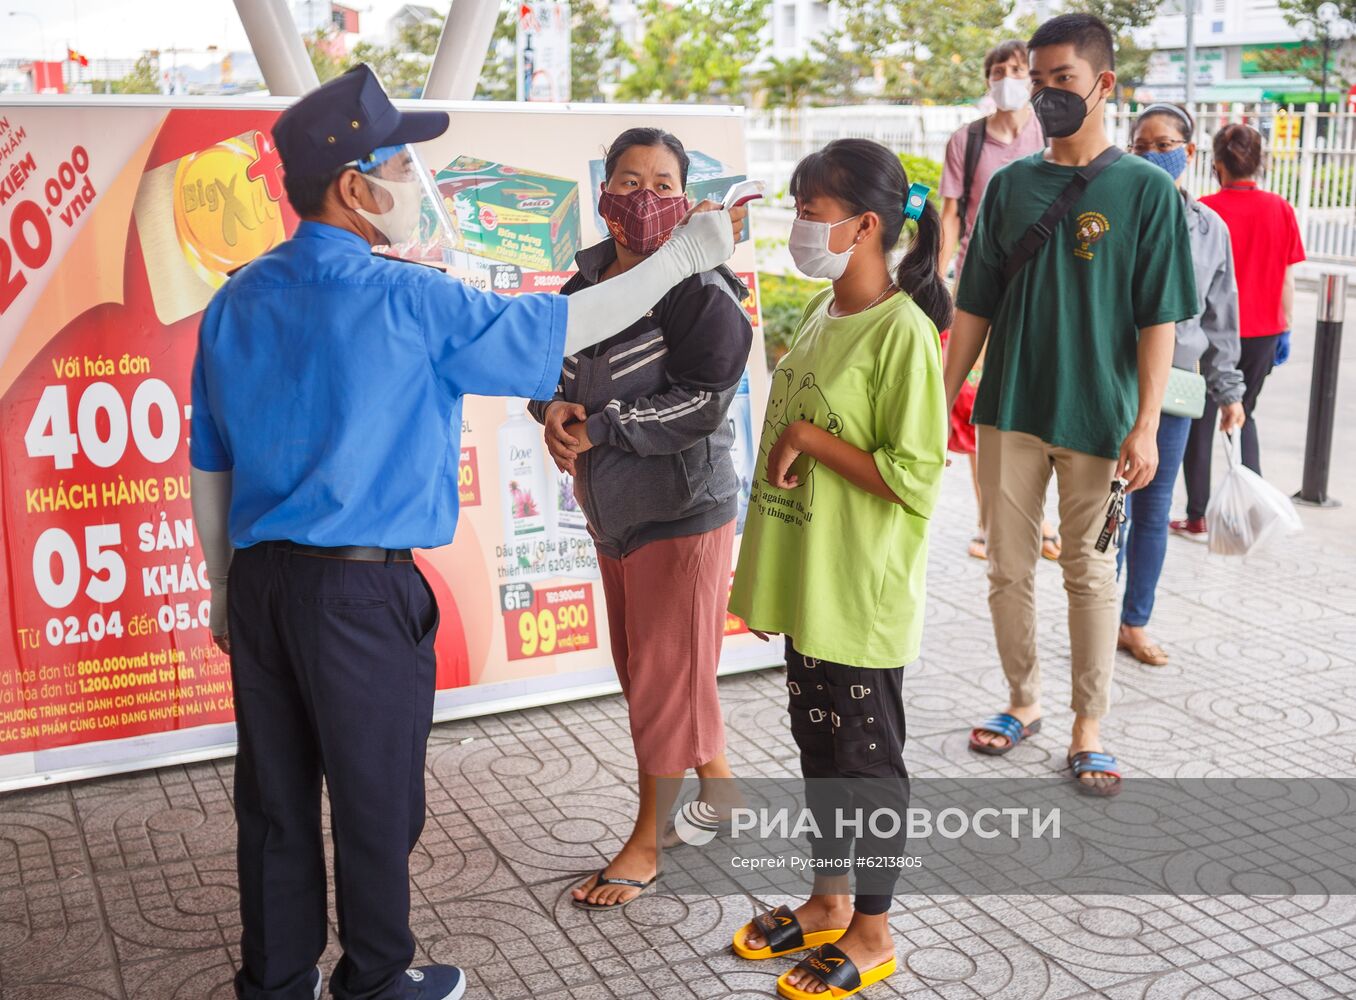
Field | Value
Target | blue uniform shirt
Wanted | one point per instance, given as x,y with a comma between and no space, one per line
331,382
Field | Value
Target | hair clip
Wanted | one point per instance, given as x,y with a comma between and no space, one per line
915,201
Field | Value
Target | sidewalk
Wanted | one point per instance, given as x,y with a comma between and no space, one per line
125,887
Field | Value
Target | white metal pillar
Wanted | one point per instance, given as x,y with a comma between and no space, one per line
277,45
1189,10
461,51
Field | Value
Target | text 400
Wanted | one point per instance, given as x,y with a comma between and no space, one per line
67,631
49,433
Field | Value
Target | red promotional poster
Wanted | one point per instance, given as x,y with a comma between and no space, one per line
117,226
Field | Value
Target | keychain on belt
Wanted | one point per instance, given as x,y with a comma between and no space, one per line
1115,515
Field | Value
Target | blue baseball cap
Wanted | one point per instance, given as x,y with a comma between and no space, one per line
344,120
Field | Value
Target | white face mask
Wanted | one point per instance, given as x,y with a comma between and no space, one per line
1010,93
399,223
809,246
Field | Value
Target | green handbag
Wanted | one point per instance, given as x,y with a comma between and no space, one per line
1185,395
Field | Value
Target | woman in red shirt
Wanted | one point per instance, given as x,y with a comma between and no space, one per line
1267,246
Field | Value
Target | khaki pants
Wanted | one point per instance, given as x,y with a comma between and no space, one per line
1014,473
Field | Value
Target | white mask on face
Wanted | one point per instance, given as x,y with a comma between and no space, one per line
399,223
1010,93
809,246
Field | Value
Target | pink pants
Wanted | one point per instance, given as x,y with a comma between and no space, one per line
666,605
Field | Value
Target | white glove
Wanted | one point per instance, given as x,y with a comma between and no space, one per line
704,241
211,511
601,311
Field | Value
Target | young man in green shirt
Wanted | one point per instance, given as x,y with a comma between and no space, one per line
1080,344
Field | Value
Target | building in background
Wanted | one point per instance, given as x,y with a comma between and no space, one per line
1232,40
335,26
324,15
796,26
409,16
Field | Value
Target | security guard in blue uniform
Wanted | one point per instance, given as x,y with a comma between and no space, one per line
327,396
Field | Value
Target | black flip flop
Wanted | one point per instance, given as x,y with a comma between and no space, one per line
603,879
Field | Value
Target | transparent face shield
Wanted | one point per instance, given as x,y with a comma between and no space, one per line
410,214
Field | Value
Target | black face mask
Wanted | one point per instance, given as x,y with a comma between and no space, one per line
1061,112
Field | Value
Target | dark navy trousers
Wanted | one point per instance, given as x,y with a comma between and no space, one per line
333,667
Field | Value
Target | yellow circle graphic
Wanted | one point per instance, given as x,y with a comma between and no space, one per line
222,218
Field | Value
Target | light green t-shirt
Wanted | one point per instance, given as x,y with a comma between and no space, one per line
840,570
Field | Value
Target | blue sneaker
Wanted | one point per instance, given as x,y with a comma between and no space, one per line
434,982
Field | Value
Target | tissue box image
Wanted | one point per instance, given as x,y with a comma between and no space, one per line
512,215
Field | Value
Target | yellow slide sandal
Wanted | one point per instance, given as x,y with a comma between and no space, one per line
835,970
783,934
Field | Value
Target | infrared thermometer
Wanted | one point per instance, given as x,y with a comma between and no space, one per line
743,193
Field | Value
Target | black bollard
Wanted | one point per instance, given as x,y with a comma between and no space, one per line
1332,300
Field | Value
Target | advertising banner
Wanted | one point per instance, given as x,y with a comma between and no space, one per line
118,221
544,52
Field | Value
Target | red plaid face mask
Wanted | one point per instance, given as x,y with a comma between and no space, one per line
641,221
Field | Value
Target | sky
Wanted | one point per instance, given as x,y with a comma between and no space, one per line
113,29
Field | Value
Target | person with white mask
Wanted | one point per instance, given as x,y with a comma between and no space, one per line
834,554
973,154
975,151
326,423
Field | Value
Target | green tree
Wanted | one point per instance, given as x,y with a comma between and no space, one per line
144,78
955,73
593,40
403,67
327,64
1307,60
693,52
1122,17
930,51
788,83
594,46
498,78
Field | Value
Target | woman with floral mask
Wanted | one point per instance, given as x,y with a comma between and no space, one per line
834,555
640,422
1208,343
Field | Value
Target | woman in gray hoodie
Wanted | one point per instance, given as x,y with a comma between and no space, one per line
1207,343
641,422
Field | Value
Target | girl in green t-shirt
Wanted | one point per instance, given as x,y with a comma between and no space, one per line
834,554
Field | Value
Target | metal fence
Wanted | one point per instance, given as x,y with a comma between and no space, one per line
1310,154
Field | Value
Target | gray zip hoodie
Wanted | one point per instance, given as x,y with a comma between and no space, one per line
657,395
1211,336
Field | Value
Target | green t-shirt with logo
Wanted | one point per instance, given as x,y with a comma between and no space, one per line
840,570
1061,361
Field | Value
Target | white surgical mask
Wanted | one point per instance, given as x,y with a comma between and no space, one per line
1010,93
399,223
809,246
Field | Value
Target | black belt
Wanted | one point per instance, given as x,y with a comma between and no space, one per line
354,553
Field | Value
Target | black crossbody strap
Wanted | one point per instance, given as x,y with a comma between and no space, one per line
974,145
1041,230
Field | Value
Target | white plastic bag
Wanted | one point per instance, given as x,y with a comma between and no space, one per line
1246,512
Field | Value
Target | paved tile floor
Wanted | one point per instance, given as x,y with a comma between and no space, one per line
124,887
